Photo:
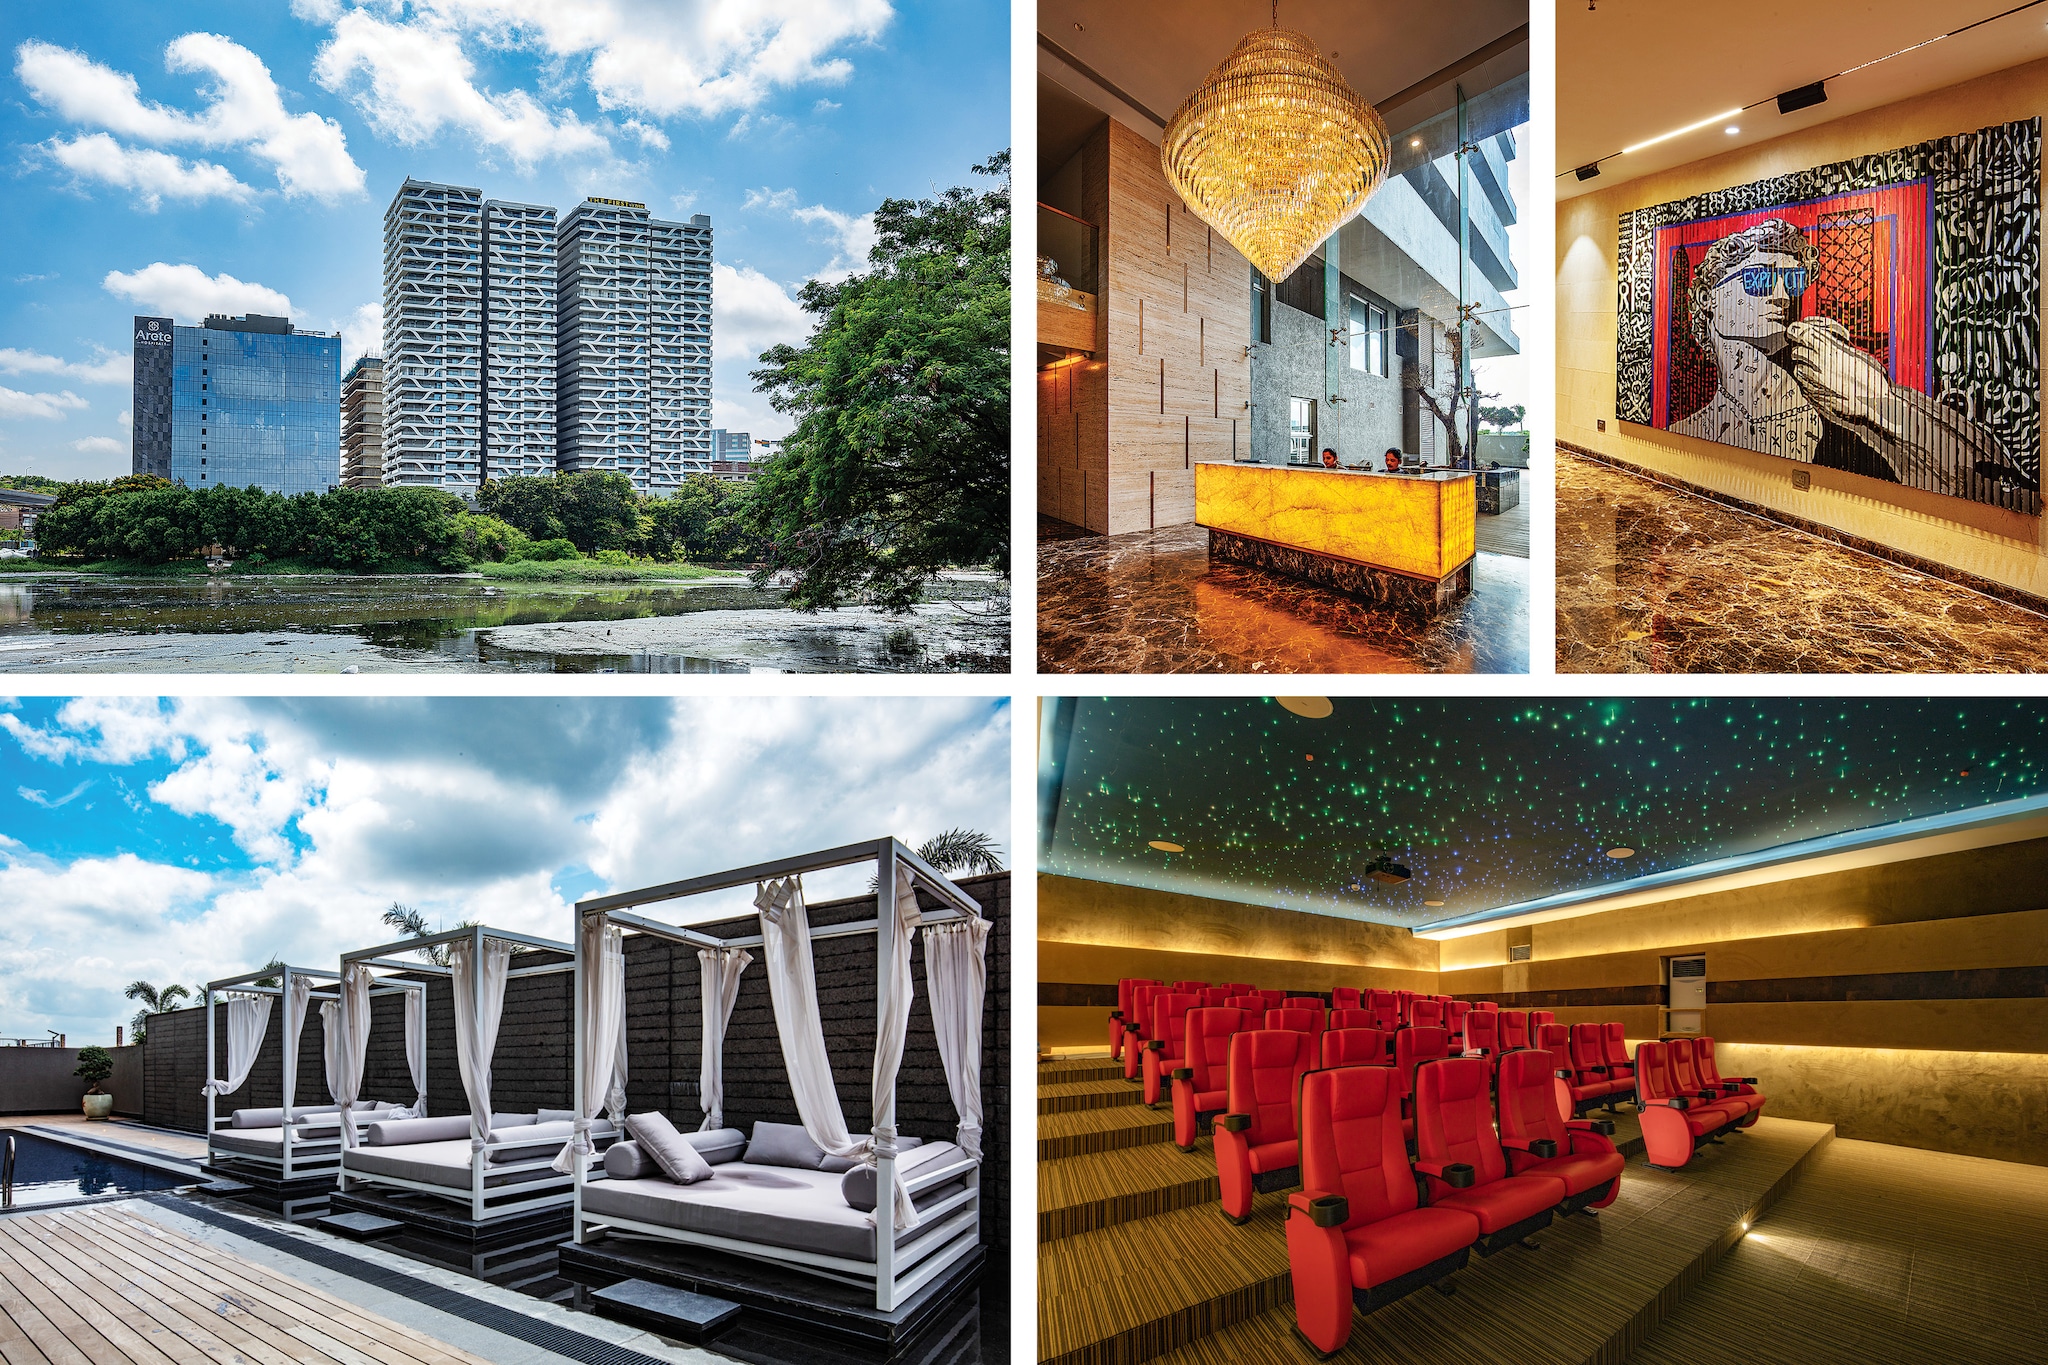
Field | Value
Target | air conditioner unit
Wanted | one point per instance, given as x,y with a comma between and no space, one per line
1519,952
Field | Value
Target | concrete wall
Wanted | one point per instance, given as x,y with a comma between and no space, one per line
1364,424
38,1080
533,1067
2007,547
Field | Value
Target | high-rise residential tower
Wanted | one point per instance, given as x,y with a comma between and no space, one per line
239,401
362,424
519,340
633,376
433,343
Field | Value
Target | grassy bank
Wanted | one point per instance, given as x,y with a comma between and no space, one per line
530,571
591,571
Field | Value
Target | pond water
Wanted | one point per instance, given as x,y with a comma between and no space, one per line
99,623
48,1172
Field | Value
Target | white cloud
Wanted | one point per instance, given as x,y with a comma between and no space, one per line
244,111
649,135
127,420
751,313
362,334
851,236
99,445
153,176
187,292
412,80
824,107
108,367
53,406
31,279
37,797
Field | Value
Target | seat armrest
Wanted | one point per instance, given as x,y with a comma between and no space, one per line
1746,1080
1708,1095
1156,1045
1601,1069
1183,1073
1543,1147
1562,1075
1457,1174
1676,1102
1234,1123
1324,1210
1116,1014
1604,1127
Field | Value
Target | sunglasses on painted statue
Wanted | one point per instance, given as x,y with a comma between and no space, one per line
1759,280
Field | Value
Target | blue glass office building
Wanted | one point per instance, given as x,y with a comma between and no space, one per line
238,401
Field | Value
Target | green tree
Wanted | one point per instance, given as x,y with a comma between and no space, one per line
94,1066
706,521
31,483
413,924
154,1001
899,465
1506,419
594,510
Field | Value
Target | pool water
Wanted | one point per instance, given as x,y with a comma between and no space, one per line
48,1172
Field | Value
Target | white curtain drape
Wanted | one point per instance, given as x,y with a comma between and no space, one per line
722,968
793,986
956,977
601,976
479,1001
295,1001
248,1018
416,1047
348,1028
893,988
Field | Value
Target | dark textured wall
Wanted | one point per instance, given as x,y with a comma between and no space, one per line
664,1029
39,1080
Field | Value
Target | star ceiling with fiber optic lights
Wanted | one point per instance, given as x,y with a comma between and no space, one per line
1491,803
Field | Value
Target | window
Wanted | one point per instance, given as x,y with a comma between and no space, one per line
1367,326
1355,321
1301,430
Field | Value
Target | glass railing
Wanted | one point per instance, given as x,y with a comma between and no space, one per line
1068,275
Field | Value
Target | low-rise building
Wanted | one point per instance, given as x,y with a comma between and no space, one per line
362,424
238,401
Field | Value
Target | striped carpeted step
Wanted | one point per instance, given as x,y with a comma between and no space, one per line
1083,1193
1102,1130
1089,1068
1072,1096
1131,1292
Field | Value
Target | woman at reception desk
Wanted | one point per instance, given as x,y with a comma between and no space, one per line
1402,538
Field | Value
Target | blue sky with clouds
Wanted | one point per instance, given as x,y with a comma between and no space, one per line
239,155
191,839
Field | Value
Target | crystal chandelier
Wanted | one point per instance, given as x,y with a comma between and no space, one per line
1275,150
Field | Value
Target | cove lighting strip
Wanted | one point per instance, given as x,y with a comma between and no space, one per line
1736,112
1876,836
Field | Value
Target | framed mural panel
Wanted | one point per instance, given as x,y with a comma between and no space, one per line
1880,315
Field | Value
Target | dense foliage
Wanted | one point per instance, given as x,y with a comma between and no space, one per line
30,483
706,521
899,466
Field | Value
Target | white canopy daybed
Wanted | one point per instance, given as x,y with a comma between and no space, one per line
496,1165
290,1142
874,1210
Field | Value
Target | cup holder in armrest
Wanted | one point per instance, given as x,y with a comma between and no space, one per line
1604,1127
1234,1123
1183,1073
1543,1147
1459,1175
1329,1211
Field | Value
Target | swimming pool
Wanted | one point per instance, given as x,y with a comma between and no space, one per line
48,1172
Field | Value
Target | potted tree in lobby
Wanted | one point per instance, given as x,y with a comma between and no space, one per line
94,1066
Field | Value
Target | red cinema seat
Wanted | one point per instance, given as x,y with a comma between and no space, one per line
1458,1151
1729,1086
1124,1011
1272,998
1675,1124
1255,1137
1454,1021
1487,1005
1351,1018
1344,998
1690,1079
1620,1061
1166,1040
1301,1019
1539,1141
1406,1000
1482,1033
1386,1010
1539,1018
1189,987
1413,1047
1246,1000
1588,1050
1239,987
1201,1084
1304,1002
1424,1012
1354,1047
1137,1025
1514,1029
1576,1091
1213,997
1357,1238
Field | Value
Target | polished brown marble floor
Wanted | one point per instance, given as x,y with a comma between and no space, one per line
1153,602
1651,579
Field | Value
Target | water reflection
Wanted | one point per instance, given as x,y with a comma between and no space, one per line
50,1172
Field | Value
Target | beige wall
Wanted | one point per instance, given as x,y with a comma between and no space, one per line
2006,547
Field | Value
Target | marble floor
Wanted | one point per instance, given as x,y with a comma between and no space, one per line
1153,602
1654,580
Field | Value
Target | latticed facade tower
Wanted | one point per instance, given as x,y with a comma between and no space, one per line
519,340
433,337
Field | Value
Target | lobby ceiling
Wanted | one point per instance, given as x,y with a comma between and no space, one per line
1153,53
1498,803
1628,71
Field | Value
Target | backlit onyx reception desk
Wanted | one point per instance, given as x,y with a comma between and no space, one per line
1399,539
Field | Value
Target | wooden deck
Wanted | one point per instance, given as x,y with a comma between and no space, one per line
106,1286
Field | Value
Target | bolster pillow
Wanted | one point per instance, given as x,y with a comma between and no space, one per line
408,1132
272,1118
858,1184
522,1143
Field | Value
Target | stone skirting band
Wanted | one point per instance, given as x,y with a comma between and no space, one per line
1380,587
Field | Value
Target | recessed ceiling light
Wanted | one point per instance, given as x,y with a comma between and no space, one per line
1164,847
1313,708
1731,130
1414,142
1621,853
1432,902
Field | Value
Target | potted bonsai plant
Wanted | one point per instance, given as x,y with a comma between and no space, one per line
94,1066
